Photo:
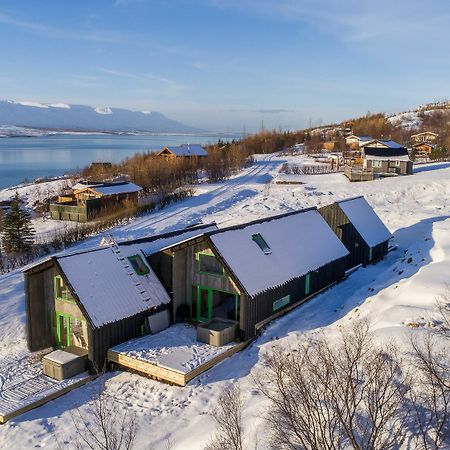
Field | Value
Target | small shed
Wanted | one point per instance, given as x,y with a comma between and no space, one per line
251,273
183,151
92,299
359,228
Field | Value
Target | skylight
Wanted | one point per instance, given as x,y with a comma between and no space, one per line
138,265
262,243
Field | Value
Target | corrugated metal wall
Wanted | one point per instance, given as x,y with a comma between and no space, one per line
259,308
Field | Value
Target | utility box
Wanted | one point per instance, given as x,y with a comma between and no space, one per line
62,364
217,332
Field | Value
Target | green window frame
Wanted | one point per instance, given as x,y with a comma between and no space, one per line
58,283
283,301
262,244
307,284
208,254
138,265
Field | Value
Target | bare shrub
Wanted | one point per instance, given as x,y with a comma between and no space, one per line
107,425
350,394
228,416
431,395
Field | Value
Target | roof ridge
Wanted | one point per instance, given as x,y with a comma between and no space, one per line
258,221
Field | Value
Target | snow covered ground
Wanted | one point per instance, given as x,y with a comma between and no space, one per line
400,289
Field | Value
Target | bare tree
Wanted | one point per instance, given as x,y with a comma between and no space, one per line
431,395
107,425
228,416
332,396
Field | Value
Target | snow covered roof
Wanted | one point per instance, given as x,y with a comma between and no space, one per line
424,133
386,154
109,188
365,220
107,286
188,150
298,243
387,142
154,244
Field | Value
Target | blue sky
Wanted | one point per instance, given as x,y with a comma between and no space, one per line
228,64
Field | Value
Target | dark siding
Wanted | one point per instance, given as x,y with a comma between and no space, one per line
347,233
259,308
39,318
103,338
379,251
162,265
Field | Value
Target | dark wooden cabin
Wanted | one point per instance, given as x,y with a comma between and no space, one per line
92,299
359,228
251,273
155,250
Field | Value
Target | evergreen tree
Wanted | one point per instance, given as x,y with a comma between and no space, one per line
18,232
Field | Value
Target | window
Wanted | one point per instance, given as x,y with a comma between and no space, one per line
397,163
376,163
61,290
138,265
208,263
262,244
281,302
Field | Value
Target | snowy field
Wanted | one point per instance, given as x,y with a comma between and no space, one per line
392,293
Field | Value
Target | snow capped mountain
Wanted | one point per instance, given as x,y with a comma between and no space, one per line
60,116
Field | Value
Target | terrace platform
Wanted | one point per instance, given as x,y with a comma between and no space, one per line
23,386
173,355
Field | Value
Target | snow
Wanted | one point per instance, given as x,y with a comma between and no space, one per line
366,222
34,104
61,357
59,105
174,348
416,209
188,150
125,188
299,243
108,287
103,110
155,245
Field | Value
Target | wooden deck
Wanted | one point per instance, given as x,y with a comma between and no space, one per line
168,374
37,391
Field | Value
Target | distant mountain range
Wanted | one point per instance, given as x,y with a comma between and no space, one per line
63,117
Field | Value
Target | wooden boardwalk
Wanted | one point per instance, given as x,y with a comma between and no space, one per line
165,373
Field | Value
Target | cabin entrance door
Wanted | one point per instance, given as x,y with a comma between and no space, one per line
62,330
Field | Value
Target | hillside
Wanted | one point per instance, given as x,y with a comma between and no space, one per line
400,289
63,117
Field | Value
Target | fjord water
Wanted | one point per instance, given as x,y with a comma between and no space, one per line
27,158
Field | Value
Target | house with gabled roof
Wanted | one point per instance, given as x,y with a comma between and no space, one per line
355,142
382,143
91,299
94,299
251,273
359,228
89,199
387,161
183,151
426,136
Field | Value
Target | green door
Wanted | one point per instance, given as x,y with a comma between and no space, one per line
62,330
204,304
307,284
